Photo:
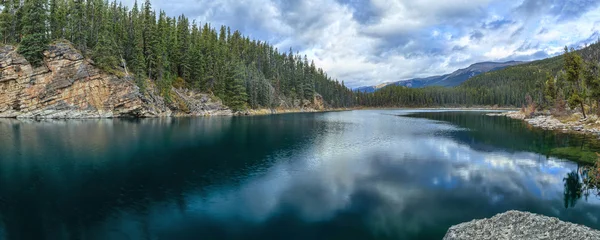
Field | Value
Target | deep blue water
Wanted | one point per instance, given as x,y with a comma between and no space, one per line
385,174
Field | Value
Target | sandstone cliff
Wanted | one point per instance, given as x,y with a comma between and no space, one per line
69,86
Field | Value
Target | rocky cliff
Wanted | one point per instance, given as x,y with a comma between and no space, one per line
68,85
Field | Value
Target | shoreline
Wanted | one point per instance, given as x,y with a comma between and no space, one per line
247,113
487,108
264,112
568,124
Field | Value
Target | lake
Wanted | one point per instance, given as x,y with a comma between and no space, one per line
372,174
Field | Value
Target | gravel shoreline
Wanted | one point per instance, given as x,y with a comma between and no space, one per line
549,122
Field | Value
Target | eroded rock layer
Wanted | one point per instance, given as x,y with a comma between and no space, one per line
68,85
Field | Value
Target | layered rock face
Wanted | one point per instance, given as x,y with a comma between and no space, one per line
69,86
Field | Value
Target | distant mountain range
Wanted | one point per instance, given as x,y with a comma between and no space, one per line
447,80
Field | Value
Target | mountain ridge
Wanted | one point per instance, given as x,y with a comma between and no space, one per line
447,80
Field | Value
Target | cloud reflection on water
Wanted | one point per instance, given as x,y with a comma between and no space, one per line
401,180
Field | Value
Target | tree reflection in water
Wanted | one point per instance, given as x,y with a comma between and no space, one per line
585,181
573,189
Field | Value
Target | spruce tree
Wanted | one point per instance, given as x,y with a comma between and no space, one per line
6,22
134,47
591,76
148,22
34,32
196,59
182,61
56,24
549,90
105,52
573,67
236,96
77,22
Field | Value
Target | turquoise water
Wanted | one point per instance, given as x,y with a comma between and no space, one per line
385,174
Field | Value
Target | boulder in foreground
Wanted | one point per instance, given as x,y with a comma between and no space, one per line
519,225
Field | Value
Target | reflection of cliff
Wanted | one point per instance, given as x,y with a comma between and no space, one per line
63,178
488,133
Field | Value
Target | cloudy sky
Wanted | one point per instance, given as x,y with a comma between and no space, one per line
367,42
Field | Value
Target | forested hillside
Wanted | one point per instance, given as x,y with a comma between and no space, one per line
506,87
170,52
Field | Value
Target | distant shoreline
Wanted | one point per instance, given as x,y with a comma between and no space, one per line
440,108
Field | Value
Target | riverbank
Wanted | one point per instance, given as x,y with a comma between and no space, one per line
520,225
459,108
570,123
260,112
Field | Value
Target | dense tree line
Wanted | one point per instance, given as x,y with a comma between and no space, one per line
172,51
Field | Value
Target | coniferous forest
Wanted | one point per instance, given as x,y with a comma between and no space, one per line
171,51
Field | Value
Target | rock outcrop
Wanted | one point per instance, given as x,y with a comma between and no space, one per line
515,225
69,86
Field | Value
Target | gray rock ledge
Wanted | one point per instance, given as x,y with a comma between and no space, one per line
520,225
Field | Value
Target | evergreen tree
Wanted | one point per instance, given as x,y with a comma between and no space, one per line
573,67
77,22
196,59
6,21
136,42
58,18
148,20
34,31
591,75
182,59
105,52
549,90
236,92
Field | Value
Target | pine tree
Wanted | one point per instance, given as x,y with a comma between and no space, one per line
105,52
77,22
34,32
6,21
196,59
149,20
159,54
591,76
58,18
138,59
236,96
11,21
573,67
183,45
549,90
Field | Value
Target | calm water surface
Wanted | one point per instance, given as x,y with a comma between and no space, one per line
386,174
